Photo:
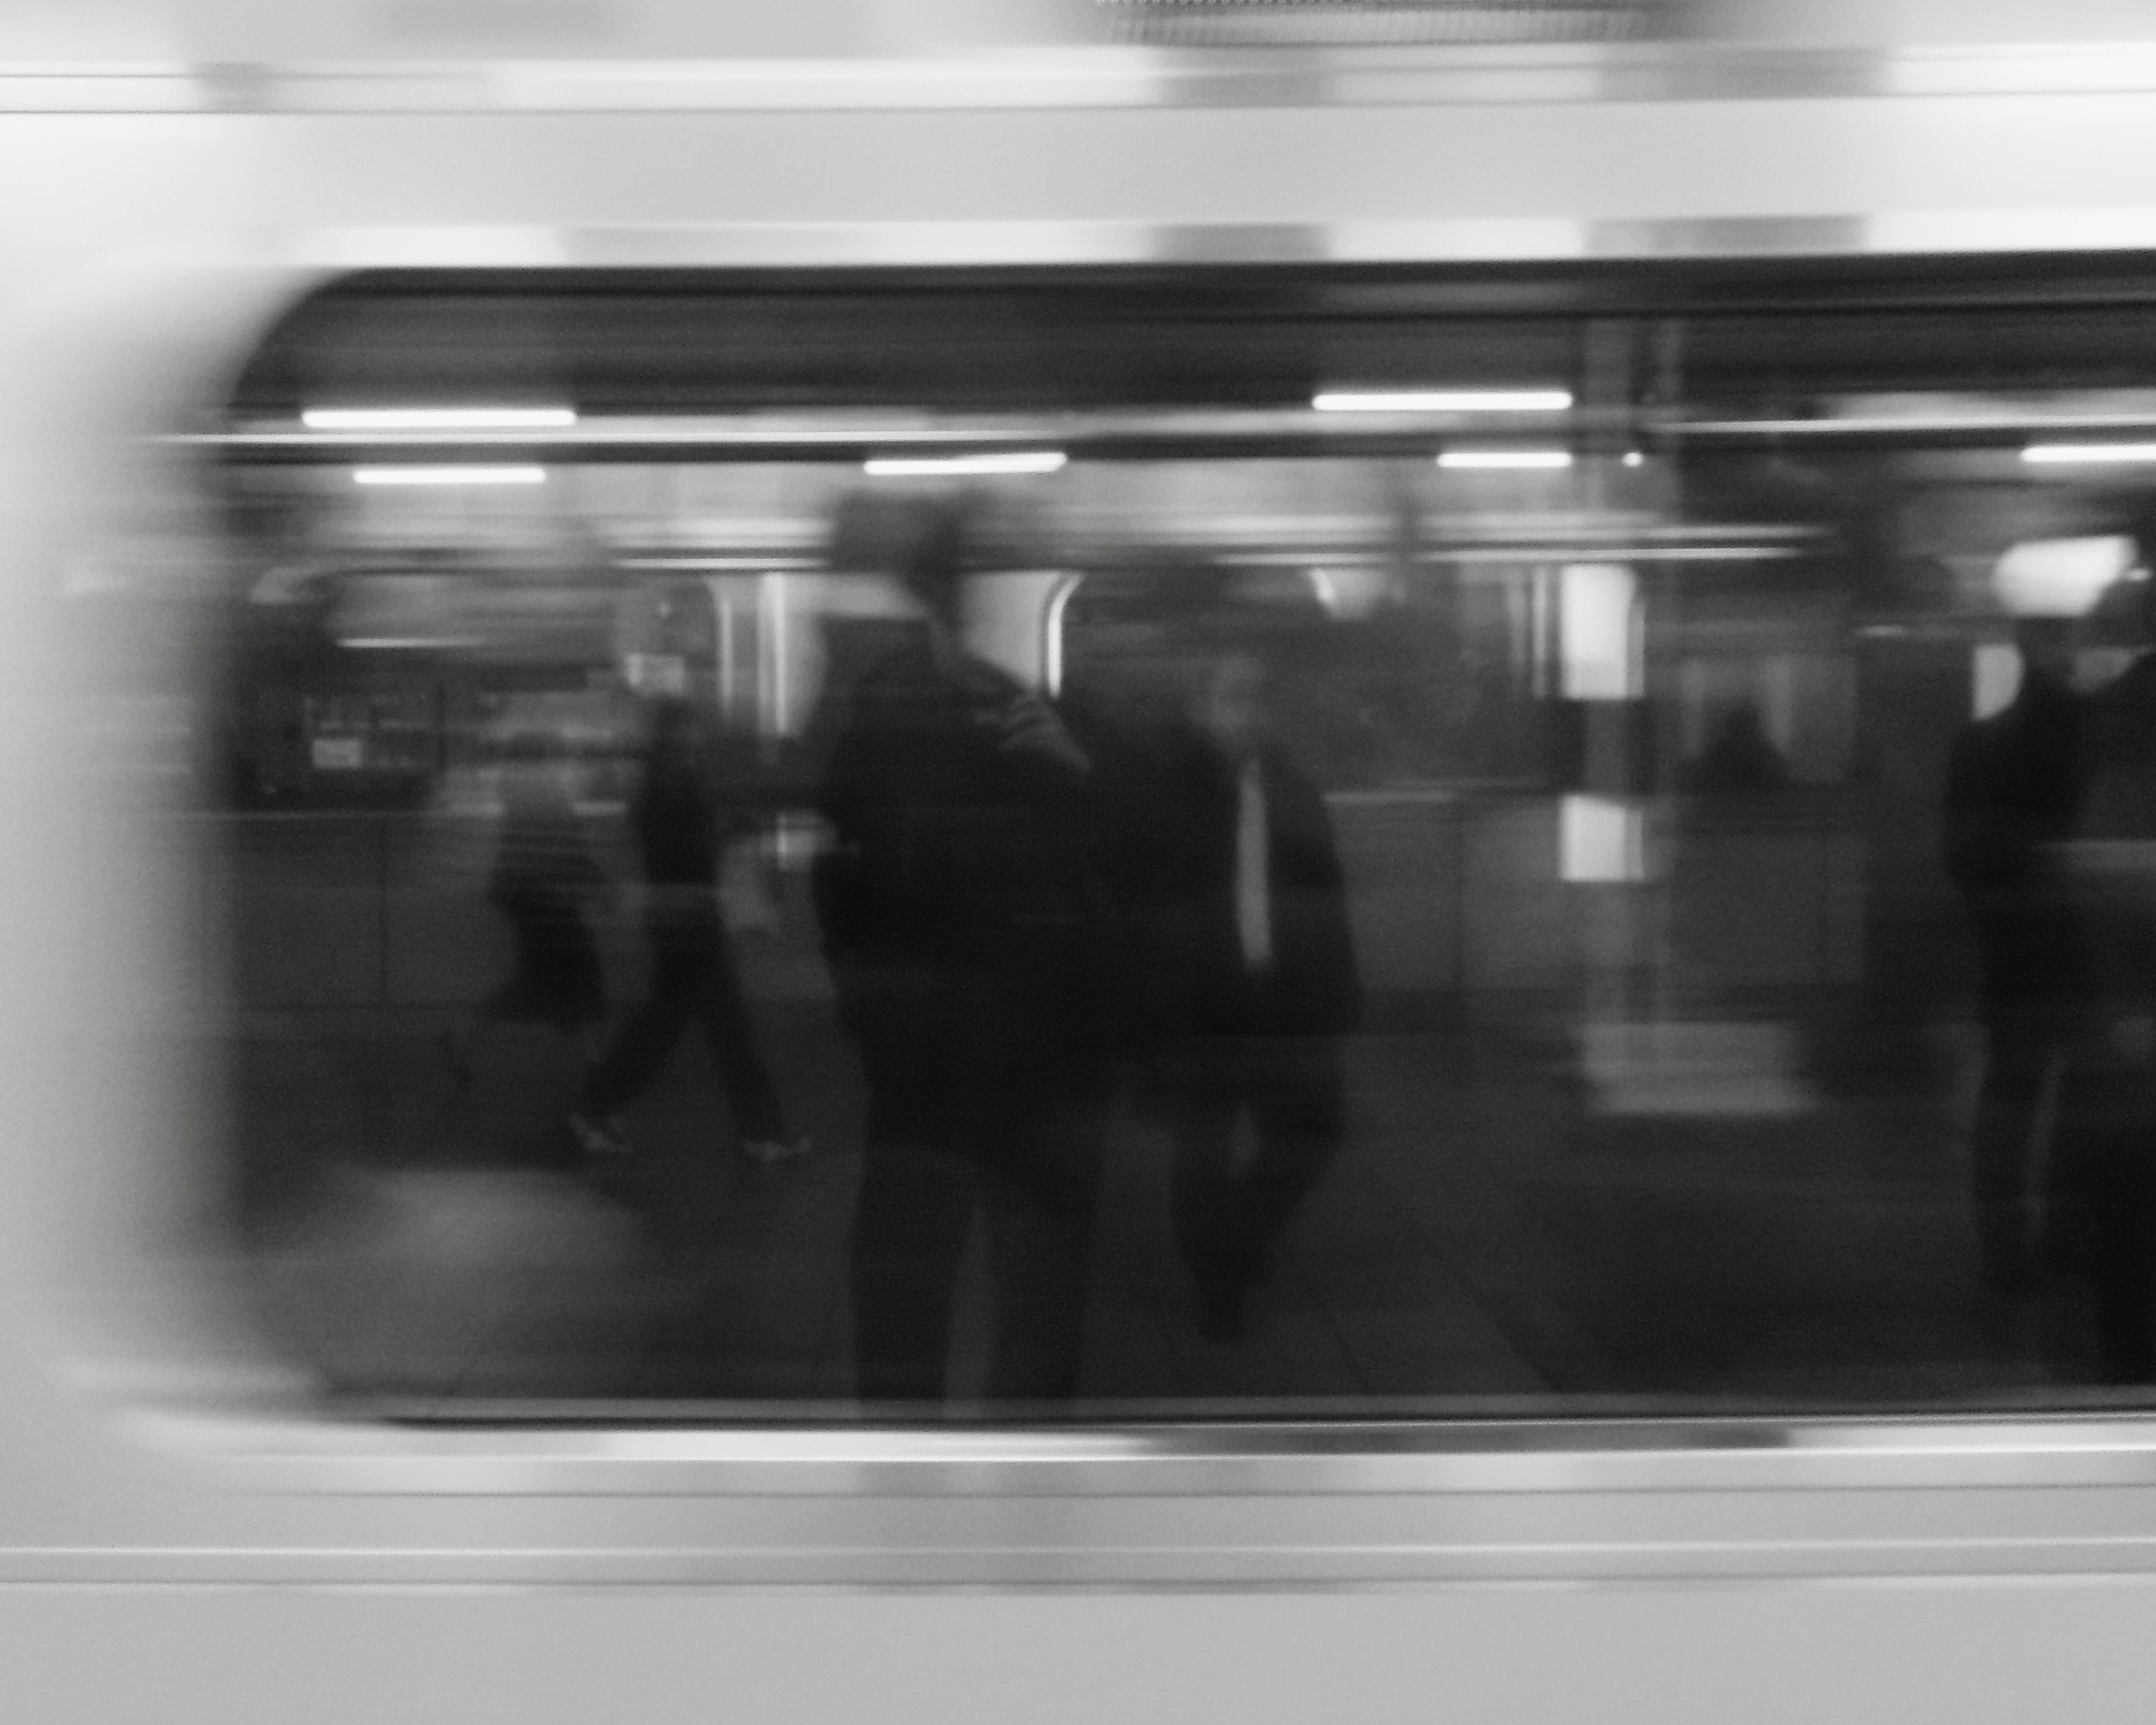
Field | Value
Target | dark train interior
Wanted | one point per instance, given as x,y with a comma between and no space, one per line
1625,619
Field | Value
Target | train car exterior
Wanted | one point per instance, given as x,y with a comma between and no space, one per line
1692,1394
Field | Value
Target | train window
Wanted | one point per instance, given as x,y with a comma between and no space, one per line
1185,843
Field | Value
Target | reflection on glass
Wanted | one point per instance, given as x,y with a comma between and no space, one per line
1202,926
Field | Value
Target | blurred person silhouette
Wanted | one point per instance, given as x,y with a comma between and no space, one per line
966,924
1254,981
1739,756
692,976
2107,1102
2011,791
545,878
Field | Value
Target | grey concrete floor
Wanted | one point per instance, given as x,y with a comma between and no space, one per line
1493,1237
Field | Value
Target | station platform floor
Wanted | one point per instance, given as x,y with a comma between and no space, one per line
1497,1237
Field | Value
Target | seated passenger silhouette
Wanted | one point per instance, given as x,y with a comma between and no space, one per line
692,965
1256,981
963,917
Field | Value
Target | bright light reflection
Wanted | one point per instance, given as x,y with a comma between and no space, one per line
1994,678
1600,633
1505,458
1023,461
2061,577
2089,452
758,564
437,418
1533,551
407,643
1601,840
1442,401
450,475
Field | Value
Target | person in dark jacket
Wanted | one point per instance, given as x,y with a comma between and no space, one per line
2107,1104
2012,787
1254,982
962,914
692,965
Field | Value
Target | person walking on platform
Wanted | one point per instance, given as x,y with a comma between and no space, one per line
2013,782
964,922
2107,1105
1254,981
693,974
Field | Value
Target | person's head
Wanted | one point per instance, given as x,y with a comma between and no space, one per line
921,540
1228,702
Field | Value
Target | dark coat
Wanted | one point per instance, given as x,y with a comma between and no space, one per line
962,881
2013,790
1200,981
2111,874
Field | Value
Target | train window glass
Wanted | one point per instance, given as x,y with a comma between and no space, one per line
953,843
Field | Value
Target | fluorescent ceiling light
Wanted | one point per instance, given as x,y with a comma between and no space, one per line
2061,453
1442,401
450,475
408,642
1022,461
1531,553
754,563
437,418
1505,458
1909,425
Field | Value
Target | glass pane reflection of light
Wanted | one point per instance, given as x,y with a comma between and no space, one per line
1022,461
1505,458
1601,839
437,418
1442,401
2059,453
